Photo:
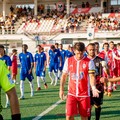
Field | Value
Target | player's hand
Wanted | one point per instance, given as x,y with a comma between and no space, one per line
60,64
103,80
61,95
30,71
95,92
44,69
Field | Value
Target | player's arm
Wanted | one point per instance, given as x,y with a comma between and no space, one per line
11,57
92,79
34,66
35,63
60,60
8,86
114,56
105,67
105,80
9,63
63,80
32,63
62,84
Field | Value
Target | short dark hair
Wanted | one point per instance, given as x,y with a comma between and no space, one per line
56,44
96,43
1,46
52,47
79,46
105,44
25,45
111,42
14,50
38,46
118,44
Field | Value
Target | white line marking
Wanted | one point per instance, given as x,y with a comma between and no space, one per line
48,110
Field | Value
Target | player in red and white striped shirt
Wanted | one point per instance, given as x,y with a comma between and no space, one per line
81,75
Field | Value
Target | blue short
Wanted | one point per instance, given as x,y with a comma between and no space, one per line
24,75
53,67
40,73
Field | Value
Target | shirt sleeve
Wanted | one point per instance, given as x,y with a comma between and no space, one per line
11,57
5,80
65,68
9,62
113,54
35,58
91,67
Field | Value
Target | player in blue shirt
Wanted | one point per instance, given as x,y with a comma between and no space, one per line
54,54
63,56
40,66
8,62
69,52
26,60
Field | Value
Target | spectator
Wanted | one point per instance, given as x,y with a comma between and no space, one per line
83,5
11,9
87,5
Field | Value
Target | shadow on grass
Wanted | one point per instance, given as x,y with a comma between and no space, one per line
53,117
110,113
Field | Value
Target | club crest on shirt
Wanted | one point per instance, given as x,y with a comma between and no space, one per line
84,65
97,64
55,52
27,56
41,55
10,79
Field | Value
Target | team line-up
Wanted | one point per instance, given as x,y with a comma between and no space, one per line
89,71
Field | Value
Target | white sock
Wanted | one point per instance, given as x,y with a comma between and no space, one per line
7,99
22,88
31,87
38,81
56,77
44,80
51,77
14,80
59,74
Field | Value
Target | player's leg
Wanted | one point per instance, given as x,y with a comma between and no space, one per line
97,103
30,78
71,107
22,79
38,83
22,89
7,102
97,112
51,74
44,79
69,117
84,107
56,73
60,71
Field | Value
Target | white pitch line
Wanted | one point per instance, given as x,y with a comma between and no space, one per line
48,110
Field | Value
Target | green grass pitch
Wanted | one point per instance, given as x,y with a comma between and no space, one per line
30,107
